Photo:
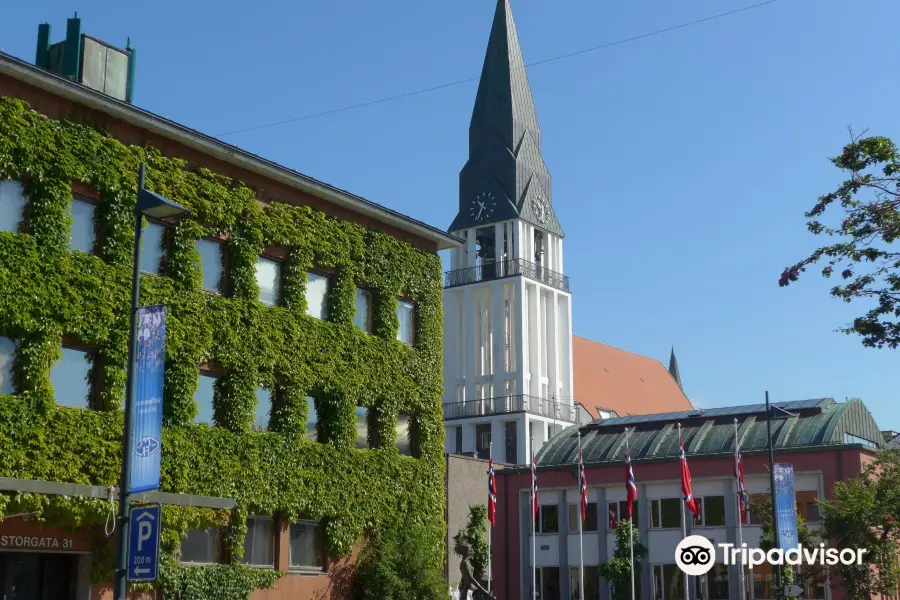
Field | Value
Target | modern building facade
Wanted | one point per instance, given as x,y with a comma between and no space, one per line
296,311
825,441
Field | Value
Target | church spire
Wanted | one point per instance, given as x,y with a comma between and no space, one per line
673,369
505,170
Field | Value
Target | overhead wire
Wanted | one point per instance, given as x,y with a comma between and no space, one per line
471,79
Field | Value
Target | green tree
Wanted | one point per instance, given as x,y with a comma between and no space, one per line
400,562
475,537
617,570
865,224
865,513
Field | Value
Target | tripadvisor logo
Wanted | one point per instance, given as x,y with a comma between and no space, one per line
695,555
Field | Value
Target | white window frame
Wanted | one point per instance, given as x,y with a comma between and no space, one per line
404,303
93,205
16,186
162,252
328,286
539,524
224,267
702,500
367,295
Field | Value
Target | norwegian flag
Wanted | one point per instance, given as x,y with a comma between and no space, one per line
630,484
686,492
612,515
534,488
492,492
739,476
583,486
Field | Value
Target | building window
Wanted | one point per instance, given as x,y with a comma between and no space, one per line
312,419
619,510
668,583
83,229
268,277
712,511
152,239
362,427
212,265
363,317
7,359
204,398
849,438
591,583
548,519
306,546
717,582
808,506
71,378
317,287
590,519
406,316
483,440
459,432
665,513
408,435
12,205
259,543
201,546
263,408
547,581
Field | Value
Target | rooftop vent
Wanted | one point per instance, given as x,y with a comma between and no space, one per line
88,60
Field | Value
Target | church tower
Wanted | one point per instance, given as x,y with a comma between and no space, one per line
507,306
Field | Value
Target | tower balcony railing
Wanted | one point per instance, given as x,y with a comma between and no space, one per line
506,268
544,407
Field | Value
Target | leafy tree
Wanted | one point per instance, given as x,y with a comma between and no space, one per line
869,266
474,536
401,562
865,513
617,570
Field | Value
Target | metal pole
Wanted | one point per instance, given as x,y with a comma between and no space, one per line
127,442
687,593
775,537
533,519
491,457
737,500
630,524
580,520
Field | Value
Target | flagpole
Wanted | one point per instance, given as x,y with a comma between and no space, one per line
687,593
580,518
533,519
630,524
737,499
490,458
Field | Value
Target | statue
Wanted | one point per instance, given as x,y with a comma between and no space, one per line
469,582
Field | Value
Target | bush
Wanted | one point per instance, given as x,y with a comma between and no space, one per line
475,538
401,562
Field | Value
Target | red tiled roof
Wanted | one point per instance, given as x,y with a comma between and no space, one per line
628,383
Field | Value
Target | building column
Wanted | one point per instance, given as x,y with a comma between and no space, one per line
552,348
469,349
535,325
499,339
470,248
519,347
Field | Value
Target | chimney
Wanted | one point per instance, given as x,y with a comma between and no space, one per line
88,61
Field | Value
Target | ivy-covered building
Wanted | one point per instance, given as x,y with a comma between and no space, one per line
304,330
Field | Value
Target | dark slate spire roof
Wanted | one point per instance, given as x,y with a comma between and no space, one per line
505,169
673,369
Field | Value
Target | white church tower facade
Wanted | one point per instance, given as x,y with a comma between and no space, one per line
507,303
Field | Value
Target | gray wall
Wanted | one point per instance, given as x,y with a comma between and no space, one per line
466,484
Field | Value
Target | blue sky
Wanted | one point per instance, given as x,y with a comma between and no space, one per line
682,163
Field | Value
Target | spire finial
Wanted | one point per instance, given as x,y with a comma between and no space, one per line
673,369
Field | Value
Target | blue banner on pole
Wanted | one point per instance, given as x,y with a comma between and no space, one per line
146,417
785,506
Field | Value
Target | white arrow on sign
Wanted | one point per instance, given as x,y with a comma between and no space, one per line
141,571
793,590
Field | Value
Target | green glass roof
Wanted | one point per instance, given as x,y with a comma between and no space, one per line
821,422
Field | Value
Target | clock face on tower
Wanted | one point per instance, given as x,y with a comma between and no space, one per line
483,206
540,209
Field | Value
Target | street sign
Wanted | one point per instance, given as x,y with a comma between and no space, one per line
793,590
785,506
143,543
146,417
